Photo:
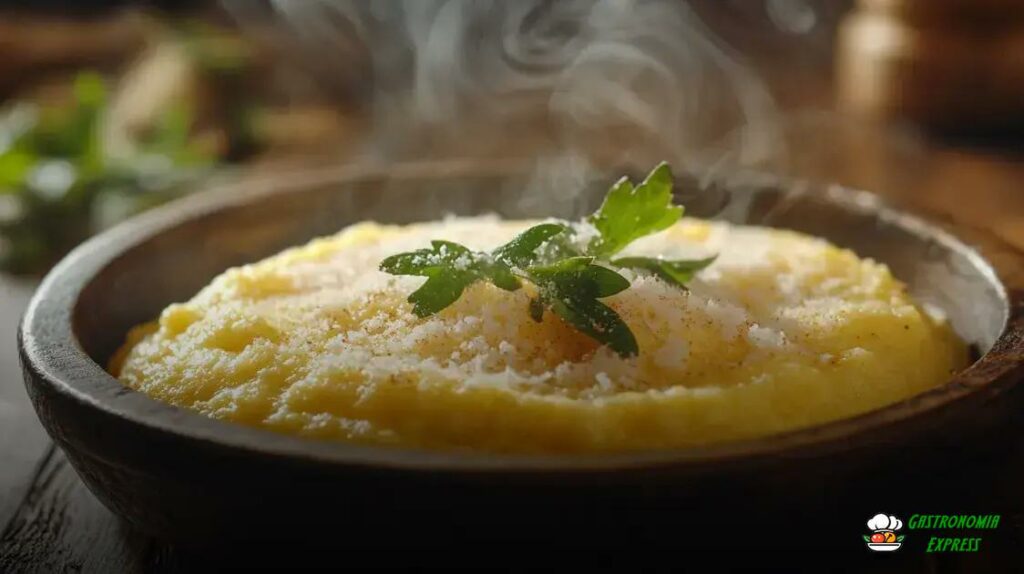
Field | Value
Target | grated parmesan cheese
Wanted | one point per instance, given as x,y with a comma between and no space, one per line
317,341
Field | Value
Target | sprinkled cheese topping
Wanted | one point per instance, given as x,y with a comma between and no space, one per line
782,331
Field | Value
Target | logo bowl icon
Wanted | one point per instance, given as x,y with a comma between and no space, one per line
883,536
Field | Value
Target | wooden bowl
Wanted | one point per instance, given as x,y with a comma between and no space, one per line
186,477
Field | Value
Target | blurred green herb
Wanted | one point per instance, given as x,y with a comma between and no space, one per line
58,185
570,271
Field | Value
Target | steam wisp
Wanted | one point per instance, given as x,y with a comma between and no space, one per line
580,87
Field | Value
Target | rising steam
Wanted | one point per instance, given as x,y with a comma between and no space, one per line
585,86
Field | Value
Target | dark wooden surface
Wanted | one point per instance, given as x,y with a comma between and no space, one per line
49,521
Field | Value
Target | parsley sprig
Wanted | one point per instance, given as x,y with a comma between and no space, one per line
571,273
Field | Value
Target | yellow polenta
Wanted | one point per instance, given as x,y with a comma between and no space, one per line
782,331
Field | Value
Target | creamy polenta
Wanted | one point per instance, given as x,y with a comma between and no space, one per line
781,332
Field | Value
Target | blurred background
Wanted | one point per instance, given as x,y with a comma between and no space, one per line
108,108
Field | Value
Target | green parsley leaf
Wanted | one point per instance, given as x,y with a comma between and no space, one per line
599,321
449,268
571,288
423,262
522,251
629,213
580,277
674,272
440,291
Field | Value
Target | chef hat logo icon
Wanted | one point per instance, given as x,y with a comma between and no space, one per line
884,522
883,537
